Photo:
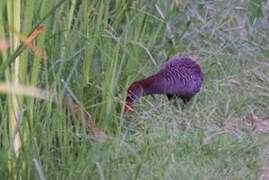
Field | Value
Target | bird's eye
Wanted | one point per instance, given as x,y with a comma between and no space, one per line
128,98
131,97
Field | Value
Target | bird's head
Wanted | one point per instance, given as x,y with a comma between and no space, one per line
135,91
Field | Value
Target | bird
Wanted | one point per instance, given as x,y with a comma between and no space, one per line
179,77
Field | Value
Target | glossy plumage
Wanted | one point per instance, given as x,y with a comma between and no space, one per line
179,77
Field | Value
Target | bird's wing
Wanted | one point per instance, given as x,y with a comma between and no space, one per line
178,59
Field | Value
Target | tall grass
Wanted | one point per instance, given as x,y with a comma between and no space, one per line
98,48
13,11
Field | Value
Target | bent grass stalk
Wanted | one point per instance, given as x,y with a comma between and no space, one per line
22,46
70,103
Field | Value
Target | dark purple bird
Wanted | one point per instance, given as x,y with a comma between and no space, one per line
179,77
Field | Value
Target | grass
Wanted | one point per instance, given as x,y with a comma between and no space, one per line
99,47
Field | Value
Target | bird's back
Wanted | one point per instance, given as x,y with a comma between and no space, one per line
181,76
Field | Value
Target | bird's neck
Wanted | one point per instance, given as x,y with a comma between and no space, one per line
151,85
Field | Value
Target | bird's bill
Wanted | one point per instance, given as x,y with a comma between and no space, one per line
127,107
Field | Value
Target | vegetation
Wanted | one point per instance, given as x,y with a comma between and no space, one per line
98,48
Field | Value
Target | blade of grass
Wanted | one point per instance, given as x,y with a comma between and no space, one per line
22,46
14,9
